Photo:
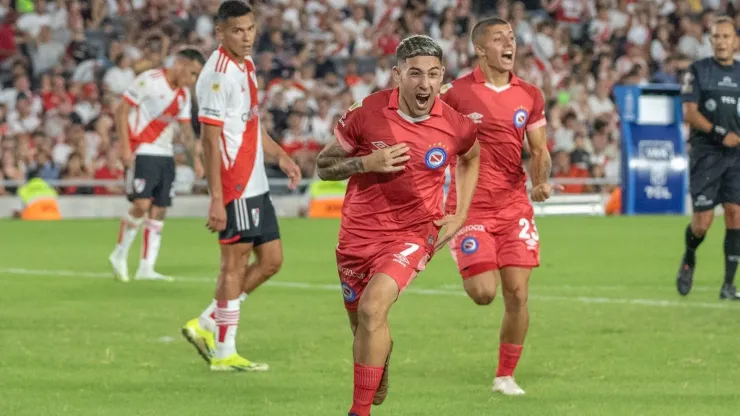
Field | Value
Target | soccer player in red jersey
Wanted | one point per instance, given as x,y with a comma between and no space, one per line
394,147
499,241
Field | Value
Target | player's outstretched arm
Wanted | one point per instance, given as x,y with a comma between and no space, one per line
335,164
468,165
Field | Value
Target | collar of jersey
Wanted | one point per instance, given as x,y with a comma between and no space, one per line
480,77
436,108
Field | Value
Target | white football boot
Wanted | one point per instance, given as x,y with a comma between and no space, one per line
119,264
507,386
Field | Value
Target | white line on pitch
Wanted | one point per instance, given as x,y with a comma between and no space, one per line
445,292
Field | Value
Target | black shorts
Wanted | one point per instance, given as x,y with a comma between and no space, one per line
250,220
714,178
152,177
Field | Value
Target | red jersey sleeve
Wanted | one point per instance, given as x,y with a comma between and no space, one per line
537,119
470,135
349,128
447,95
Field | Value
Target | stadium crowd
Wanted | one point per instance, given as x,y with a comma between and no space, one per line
65,63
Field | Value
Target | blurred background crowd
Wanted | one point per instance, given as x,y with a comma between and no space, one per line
65,63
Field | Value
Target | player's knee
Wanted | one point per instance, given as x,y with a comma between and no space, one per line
371,313
482,295
271,266
701,222
732,215
139,208
157,213
515,299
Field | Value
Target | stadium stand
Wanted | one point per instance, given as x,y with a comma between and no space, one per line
65,63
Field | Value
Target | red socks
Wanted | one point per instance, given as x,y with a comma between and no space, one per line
367,380
508,357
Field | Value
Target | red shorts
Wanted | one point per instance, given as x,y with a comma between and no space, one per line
492,244
358,263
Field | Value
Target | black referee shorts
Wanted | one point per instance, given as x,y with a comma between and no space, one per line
714,178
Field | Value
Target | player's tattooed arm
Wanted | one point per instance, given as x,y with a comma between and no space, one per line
334,163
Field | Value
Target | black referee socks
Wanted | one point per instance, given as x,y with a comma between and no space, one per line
732,254
692,242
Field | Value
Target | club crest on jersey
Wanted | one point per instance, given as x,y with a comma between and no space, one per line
469,245
445,88
348,293
520,117
256,216
215,87
139,185
436,156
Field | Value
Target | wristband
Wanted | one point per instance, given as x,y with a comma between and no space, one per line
719,132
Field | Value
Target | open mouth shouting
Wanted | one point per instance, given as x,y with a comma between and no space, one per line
507,57
422,99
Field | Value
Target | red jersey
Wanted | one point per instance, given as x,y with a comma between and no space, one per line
502,114
388,205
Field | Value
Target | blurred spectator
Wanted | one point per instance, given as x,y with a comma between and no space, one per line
64,64
111,170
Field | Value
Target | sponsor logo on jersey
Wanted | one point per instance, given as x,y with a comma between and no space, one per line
210,112
727,82
436,156
253,112
379,145
476,117
348,293
520,117
469,245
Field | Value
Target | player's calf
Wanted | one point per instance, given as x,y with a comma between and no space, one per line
372,340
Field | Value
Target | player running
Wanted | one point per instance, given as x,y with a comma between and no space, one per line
711,105
394,147
235,146
152,108
499,241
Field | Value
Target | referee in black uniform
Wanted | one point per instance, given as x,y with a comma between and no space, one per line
711,105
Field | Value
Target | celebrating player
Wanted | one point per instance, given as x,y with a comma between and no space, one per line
394,146
235,146
146,118
711,104
499,239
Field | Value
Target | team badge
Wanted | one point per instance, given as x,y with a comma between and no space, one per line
215,87
445,88
139,185
256,216
710,105
520,117
469,245
436,156
348,293
358,104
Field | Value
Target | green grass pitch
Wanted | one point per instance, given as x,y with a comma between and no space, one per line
609,335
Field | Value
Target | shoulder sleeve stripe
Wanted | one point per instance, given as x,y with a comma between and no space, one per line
130,100
343,141
210,121
537,124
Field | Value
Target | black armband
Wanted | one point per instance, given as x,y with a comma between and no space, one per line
719,132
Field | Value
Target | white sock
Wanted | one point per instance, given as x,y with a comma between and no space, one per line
227,321
152,241
127,233
207,319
